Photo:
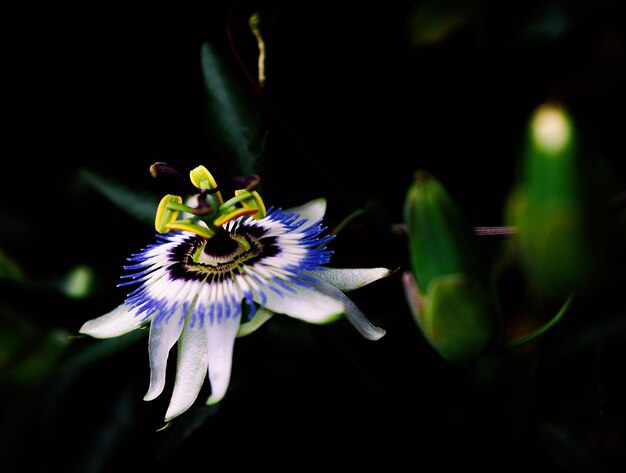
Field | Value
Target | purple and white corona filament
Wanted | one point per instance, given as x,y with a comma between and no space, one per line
221,273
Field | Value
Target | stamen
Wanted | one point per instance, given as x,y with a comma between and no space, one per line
221,220
253,201
199,230
166,213
240,196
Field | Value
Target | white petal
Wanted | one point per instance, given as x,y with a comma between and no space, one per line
352,312
163,336
313,211
191,370
350,279
220,339
119,321
260,317
305,304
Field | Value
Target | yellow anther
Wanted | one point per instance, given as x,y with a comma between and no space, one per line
221,220
164,214
191,227
202,179
254,202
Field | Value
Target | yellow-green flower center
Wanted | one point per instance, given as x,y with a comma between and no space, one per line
211,212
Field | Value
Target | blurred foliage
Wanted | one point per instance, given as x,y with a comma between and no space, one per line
561,207
356,99
135,202
233,117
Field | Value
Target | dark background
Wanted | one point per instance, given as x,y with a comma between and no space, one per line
356,100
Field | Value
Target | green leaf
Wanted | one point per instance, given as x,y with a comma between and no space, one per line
106,439
140,205
234,121
9,269
433,21
27,353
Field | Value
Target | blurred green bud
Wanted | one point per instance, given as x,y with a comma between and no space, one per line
557,209
445,289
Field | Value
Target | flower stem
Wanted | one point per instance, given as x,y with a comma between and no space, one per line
517,342
357,213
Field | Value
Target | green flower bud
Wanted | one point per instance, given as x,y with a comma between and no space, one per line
455,317
557,215
445,288
440,241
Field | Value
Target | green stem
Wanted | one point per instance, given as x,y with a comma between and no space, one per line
357,213
543,328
